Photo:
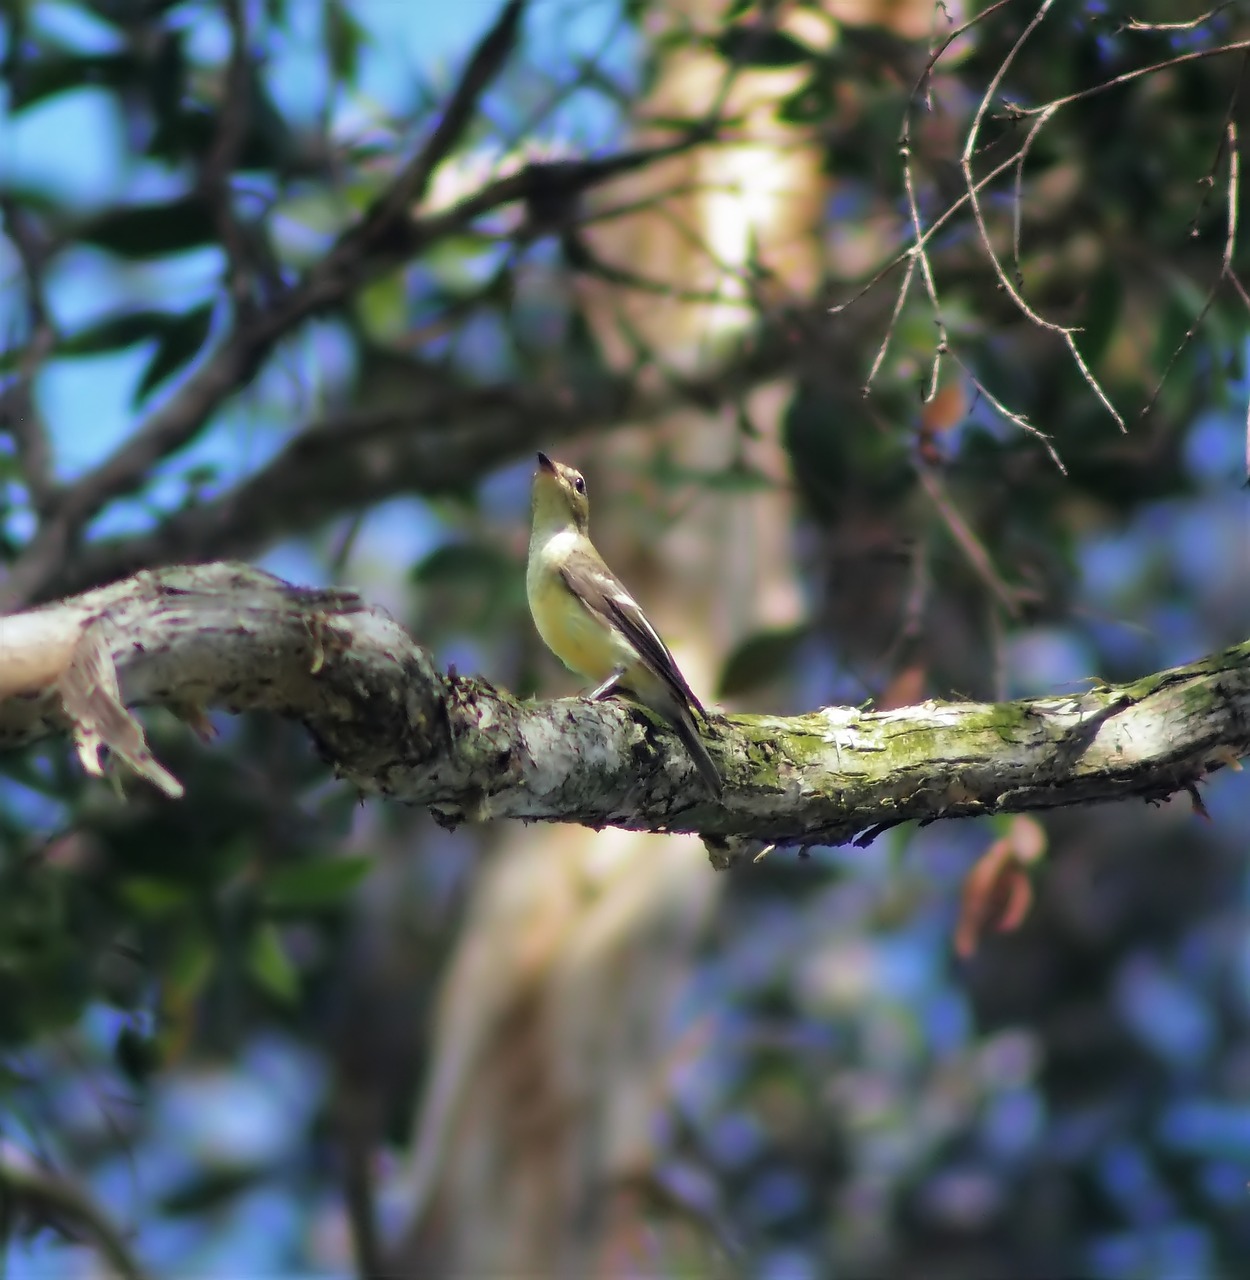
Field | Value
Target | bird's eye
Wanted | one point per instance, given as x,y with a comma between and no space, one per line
580,485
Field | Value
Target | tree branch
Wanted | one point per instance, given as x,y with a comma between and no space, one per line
230,636
48,1197
219,165
432,444
388,234
19,415
409,187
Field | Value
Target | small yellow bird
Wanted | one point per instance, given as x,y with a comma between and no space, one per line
589,620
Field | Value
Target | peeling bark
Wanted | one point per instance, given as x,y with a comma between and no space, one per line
232,637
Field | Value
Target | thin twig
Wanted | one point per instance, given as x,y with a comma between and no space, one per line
1018,203
935,55
1066,332
903,290
1133,24
589,68
930,284
912,251
1226,266
1208,182
968,542
1193,55
1018,418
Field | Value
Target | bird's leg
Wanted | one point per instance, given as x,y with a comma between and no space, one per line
608,686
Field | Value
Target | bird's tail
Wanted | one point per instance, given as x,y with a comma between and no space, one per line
681,719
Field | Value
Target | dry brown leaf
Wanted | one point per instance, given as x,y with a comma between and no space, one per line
997,895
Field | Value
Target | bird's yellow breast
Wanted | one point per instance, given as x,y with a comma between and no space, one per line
579,639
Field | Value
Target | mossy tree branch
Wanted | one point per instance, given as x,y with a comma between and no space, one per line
229,636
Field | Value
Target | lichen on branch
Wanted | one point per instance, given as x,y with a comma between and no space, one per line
232,637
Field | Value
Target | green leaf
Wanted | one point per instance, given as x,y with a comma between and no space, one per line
117,332
314,885
383,307
137,1055
761,658
165,77
190,965
150,896
737,477
345,38
759,47
179,345
150,230
45,77
810,104
458,563
212,1189
1102,312
270,966
33,199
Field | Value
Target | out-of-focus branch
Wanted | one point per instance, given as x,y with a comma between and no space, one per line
18,414
431,446
46,1196
232,119
393,725
252,337
387,235
409,187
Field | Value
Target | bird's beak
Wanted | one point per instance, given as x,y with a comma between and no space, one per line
545,464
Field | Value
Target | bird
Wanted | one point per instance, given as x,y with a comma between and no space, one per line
590,621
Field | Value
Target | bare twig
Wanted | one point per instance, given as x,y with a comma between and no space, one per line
935,55
1134,24
1208,182
919,251
930,284
588,71
903,290
1018,418
967,541
909,254
1125,77
1226,266
1017,211
970,143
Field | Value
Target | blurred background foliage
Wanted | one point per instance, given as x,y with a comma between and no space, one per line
220,1019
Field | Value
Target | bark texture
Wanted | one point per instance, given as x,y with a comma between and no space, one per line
232,637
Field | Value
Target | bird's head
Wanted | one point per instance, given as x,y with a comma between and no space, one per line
560,500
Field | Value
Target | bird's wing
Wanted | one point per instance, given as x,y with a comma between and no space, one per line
603,593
